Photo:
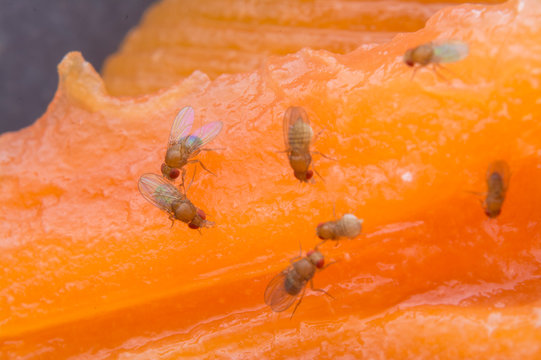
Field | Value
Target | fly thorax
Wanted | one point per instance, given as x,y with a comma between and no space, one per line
326,231
349,226
192,142
304,268
162,196
184,211
300,161
423,54
173,156
300,135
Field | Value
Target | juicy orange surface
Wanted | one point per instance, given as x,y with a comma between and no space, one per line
178,37
91,270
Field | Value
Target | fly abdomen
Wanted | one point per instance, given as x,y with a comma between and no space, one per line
495,185
300,135
293,283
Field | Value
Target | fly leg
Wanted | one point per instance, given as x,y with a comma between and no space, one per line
321,243
415,69
439,74
323,155
191,182
317,173
172,218
203,166
320,290
183,176
214,149
292,260
317,135
479,195
298,303
329,264
441,67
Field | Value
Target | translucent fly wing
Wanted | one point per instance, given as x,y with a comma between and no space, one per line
204,134
451,51
293,138
182,125
276,295
502,168
158,191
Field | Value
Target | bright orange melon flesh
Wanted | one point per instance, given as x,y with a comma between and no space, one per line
178,37
90,269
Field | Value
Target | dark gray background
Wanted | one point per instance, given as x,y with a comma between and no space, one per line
36,34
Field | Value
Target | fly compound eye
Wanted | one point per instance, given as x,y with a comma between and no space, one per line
201,214
320,263
309,253
193,226
309,174
174,173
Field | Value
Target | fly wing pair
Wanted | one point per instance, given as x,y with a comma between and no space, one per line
296,136
159,192
501,168
180,131
449,51
276,295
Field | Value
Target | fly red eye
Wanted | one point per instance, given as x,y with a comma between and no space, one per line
409,63
193,226
309,252
309,174
174,173
320,263
201,214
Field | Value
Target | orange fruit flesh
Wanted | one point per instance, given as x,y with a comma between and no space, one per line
178,37
91,269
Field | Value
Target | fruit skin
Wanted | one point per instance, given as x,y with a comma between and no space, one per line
89,268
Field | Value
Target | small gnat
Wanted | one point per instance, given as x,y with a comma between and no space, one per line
290,284
298,137
497,178
348,226
160,193
183,147
435,53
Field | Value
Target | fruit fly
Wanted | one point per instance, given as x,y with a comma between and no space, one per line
348,226
182,147
498,175
298,137
435,53
290,284
167,197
